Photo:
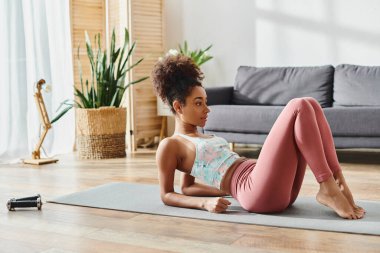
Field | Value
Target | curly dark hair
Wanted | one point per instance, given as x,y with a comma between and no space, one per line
174,77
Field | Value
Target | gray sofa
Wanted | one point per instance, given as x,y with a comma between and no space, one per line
348,94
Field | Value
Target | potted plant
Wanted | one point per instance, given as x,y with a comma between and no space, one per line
199,56
99,112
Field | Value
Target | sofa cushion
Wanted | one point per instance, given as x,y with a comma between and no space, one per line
242,118
354,121
278,85
258,119
356,85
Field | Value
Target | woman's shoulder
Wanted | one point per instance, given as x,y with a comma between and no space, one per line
169,144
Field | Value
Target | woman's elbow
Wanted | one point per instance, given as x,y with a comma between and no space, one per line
165,198
185,191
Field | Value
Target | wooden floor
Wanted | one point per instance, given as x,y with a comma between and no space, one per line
60,228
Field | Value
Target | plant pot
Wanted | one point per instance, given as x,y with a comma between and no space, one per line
101,132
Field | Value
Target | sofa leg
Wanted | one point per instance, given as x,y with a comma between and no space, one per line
232,146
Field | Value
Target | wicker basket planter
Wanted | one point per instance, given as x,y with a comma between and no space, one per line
101,132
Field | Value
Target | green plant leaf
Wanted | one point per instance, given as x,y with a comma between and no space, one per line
80,68
62,103
77,104
63,112
128,55
198,56
205,59
126,42
115,55
93,97
208,48
99,73
88,95
85,102
185,48
134,65
113,38
137,81
90,53
114,98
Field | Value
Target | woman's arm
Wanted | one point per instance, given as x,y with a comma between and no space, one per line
191,188
166,159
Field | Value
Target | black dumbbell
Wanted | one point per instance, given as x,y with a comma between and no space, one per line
35,197
25,203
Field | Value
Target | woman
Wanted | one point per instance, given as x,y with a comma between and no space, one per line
300,136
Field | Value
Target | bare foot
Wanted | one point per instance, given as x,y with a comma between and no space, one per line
330,196
341,182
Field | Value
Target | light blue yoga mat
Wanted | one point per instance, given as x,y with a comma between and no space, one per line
306,212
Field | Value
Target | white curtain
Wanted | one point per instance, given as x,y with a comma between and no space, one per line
35,44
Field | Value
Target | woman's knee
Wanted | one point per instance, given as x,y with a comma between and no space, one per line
313,102
316,106
300,104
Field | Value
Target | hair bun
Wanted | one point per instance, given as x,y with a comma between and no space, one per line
174,76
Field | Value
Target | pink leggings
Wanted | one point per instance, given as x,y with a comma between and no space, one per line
300,136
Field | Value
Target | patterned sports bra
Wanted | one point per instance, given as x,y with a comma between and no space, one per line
213,157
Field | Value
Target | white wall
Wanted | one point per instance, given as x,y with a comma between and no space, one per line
275,33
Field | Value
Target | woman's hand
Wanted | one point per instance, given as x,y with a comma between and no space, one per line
216,205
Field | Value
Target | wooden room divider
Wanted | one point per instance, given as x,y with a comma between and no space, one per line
144,20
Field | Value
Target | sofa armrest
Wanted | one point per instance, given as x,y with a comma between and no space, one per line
219,95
